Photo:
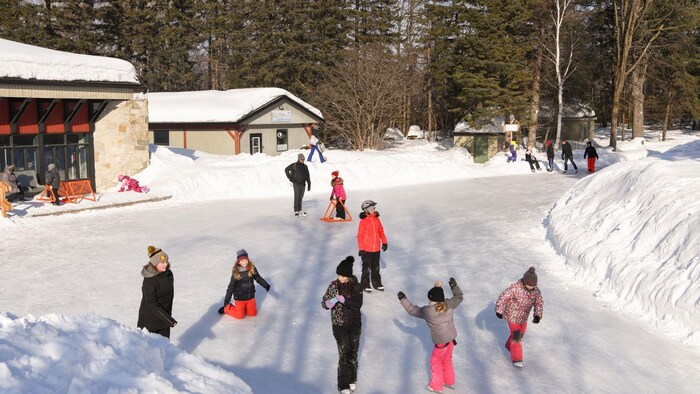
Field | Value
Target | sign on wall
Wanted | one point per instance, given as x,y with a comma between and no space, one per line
279,116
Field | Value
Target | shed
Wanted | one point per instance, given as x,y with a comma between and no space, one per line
577,123
482,143
253,120
86,114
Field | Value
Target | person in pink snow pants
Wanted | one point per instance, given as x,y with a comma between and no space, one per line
515,304
439,315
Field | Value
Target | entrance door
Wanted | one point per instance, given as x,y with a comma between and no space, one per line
481,148
256,143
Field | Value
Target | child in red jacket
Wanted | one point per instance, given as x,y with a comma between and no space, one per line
515,304
370,239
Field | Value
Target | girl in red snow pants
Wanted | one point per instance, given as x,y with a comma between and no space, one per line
514,343
242,308
442,372
591,164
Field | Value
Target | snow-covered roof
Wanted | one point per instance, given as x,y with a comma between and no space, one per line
574,110
207,106
22,61
494,127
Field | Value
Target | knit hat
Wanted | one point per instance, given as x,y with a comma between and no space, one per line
530,277
156,256
335,173
241,254
51,166
345,267
549,142
436,294
300,156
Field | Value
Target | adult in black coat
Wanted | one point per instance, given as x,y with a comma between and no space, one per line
298,174
53,179
155,312
592,156
567,155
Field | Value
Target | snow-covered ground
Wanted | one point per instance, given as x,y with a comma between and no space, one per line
615,251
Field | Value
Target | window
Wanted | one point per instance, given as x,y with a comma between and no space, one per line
282,140
161,137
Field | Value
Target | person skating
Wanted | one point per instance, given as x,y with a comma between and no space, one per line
242,288
343,298
550,156
532,160
338,194
157,290
370,240
439,315
314,142
298,174
515,304
513,146
568,156
592,156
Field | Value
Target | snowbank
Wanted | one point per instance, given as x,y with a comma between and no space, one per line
630,233
91,354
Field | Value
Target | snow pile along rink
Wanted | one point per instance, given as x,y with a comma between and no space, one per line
630,233
91,354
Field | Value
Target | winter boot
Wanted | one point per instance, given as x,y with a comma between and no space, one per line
431,390
518,364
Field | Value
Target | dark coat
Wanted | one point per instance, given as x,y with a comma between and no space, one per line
155,312
53,178
348,313
244,289
566,151
590,152
298,173
550,152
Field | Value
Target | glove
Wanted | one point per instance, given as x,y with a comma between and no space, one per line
221,310
536,319
268,288
384,247
308,188
401,295
331,198
361,253
331,303
498,315
340,298
452,282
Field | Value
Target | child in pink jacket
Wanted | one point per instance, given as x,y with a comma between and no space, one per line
515,304
339,194
129,183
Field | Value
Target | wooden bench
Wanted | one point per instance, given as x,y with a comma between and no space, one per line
28,181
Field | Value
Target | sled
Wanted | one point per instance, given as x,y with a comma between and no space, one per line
48,195
329,216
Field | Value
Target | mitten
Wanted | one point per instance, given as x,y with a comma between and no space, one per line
401,295
452,282
221,310
331,303
308,188
331,199
340,298
268,287
500,316
536,319
384,247
361,253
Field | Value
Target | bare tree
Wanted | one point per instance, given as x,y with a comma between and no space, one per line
363,96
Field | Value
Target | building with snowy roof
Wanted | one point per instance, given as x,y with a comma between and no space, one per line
86,114
253,120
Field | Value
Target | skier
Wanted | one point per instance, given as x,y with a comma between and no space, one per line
313,141
370,239
515,304
439,315
592,156
155,312
532,160
53,179
338,194
513,152
344,299
298,174
242,288
550,156
567,156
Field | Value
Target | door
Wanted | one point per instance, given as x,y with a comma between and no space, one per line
481,148
256,143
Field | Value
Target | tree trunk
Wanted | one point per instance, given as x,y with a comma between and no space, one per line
639,76
617,94
535,104
667,115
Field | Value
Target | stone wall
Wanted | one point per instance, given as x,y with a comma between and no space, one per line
121,141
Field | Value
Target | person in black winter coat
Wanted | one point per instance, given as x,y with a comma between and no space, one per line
532,160
242,288
592,156
53,179
343,298
298,174
155,312
567,155
550,156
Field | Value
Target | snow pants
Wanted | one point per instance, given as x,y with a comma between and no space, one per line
348,340
591,164
242,308
569,159
314,148
340,209
441,369
550,160
514,343
370,270
298,196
